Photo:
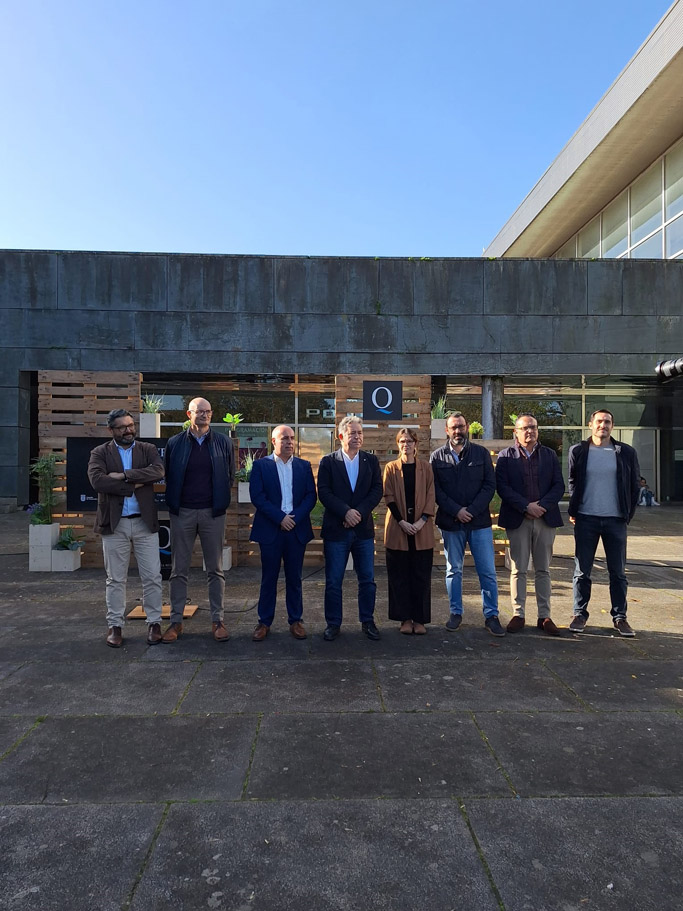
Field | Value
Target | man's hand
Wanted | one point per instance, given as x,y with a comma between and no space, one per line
572,519
535,511
288,523
117,475
464,515
352,518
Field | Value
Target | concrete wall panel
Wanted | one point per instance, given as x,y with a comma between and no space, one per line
28,279
112,281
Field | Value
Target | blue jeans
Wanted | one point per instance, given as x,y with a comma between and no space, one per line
480,541
587,532
336,557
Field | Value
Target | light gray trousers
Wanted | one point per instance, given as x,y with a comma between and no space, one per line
532,539
116,549
184,530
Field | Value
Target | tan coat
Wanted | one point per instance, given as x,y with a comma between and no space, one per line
394,492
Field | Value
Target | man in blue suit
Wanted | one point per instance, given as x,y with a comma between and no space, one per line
350,486
283,491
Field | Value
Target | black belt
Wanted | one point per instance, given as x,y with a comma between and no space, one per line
133,515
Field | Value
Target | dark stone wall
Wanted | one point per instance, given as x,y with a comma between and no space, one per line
262,314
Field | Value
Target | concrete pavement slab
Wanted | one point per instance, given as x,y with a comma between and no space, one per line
98,760
8,667
74,640
625,685
603,854
315,856
372,755
77,858
283,686
439,685
11,729
550,754
88,688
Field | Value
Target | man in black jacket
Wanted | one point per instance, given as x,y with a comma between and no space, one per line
530,484
349,487
604,484
200,469
464,484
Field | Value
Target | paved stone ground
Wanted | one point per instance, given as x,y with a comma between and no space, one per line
451,771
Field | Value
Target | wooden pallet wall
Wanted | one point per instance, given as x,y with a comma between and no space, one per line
75,403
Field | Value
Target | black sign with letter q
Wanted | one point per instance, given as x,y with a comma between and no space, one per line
383,400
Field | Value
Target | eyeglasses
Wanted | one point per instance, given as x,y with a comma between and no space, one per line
199,413
458,427
124,428
527,429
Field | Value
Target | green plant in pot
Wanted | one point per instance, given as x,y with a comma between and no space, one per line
43,470
68,540
244,473
439,410
232,420
476,430
151,404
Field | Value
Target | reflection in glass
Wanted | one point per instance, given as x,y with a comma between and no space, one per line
673,179
615,227
674,237
646,203
649,249
568,250
589,240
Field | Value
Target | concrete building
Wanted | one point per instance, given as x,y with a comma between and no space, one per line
577,298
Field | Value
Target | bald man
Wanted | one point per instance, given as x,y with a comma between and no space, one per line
283,491
200,469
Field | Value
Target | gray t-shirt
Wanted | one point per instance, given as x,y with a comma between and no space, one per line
600,496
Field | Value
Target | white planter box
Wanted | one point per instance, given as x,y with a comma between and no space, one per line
243,492
227,559
66,561
438,429
150,425
39,558
43,535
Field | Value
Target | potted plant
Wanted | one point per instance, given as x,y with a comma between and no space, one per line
232,420
43,532
66,555
476,431
150,416
242,476
439,415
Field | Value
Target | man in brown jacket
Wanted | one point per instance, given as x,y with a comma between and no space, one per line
123,473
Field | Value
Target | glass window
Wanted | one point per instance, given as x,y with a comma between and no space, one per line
639,410
649,249
646,203
568,250
615,227
674,237
589,240
673,178
548,411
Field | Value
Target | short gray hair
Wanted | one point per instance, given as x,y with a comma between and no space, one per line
349,419
117,413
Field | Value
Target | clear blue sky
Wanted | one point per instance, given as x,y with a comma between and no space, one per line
335,127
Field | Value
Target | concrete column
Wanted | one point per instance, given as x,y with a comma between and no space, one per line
492,407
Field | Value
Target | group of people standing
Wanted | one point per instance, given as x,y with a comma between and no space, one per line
453,489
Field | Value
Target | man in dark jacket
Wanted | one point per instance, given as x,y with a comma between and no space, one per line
530,484
349,487
464,484
123,472
604,484
200,469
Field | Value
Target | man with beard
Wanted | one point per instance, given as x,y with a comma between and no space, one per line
123,472
464,484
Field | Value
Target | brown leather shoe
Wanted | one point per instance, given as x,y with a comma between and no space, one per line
547,625
174,632
260,632
220,633
297,630
154,634
515,625
114,637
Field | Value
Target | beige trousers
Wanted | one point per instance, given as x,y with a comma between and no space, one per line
534,538
116,549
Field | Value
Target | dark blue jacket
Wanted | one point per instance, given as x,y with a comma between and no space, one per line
337,497
266,495
628,477
510,485
470,483
177,454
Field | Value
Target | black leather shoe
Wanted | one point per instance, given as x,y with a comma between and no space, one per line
370,630
331,633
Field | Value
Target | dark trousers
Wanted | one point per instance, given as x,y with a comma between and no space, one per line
287,549
588,530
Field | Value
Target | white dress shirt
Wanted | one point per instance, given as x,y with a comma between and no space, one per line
352,468
284,470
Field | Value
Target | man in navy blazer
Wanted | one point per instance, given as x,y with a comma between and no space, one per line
283,491
349,487
530,483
